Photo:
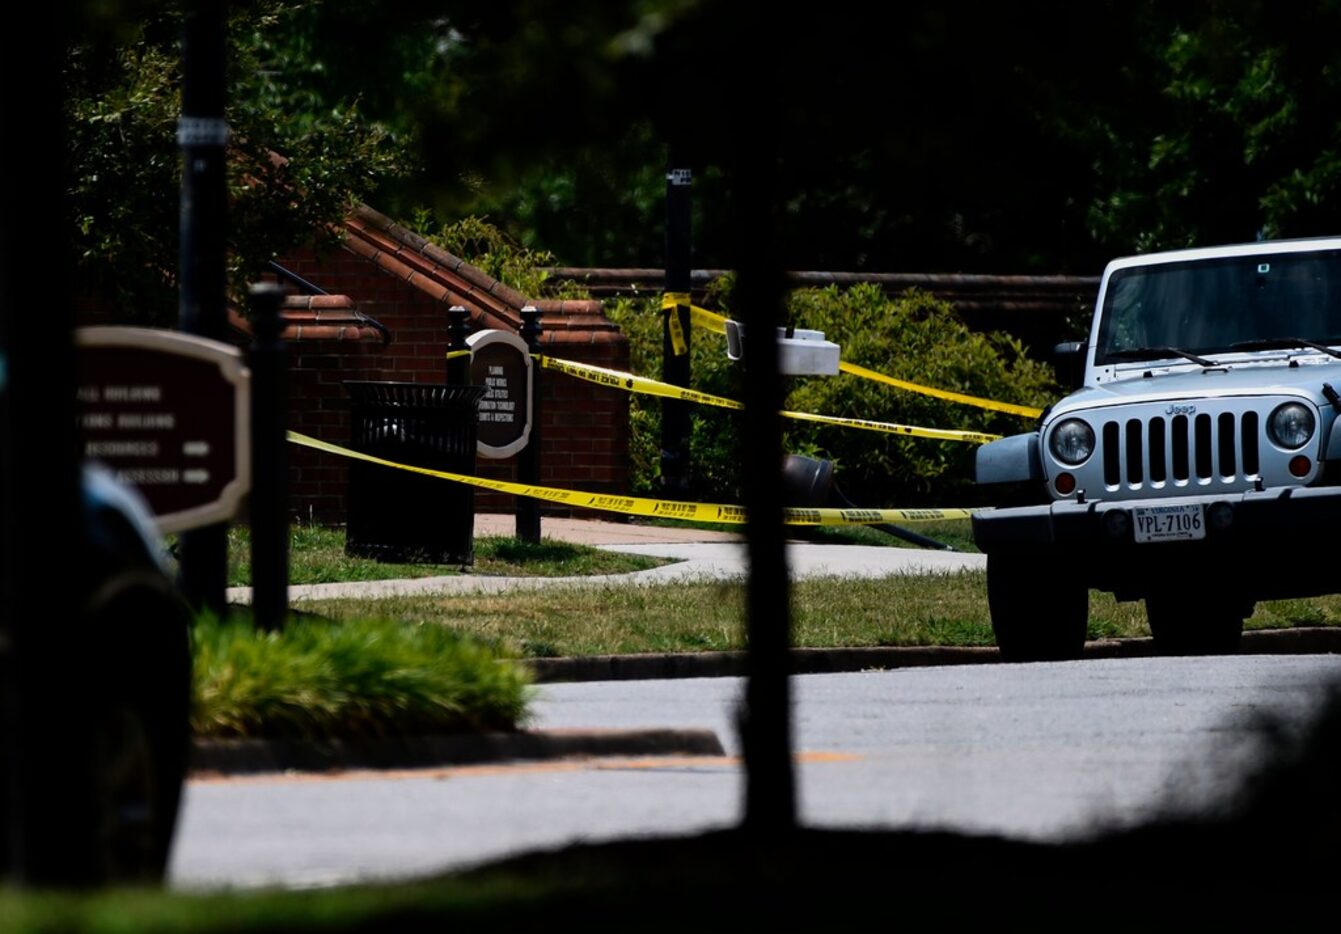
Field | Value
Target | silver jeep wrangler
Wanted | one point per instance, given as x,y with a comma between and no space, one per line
1199,466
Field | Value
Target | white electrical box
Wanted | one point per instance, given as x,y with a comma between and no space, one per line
800,352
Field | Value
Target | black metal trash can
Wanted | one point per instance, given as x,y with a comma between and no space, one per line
396,515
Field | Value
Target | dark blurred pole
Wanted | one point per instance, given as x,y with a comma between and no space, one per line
458,354
269,362
528,460
675,418
766,733
203,137
46,738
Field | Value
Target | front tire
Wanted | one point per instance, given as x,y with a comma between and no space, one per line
1189,624
142,736
1039,612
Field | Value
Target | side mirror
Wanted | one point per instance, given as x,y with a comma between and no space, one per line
1069,357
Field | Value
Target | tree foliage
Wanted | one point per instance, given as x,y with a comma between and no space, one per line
1228,127
485,246
295,163
958,136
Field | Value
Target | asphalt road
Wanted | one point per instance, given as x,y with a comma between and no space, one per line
1042,751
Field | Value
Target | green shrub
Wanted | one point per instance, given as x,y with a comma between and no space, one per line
918,338
488,247
321,680
712,443
914,337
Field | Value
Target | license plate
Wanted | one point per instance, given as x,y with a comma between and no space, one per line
1168,523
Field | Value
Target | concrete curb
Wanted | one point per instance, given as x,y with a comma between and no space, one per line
732,664
1303,641
249,756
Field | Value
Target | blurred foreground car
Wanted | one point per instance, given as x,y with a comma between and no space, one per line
145,652
141,663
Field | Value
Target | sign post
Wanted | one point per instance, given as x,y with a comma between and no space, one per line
270,461
202,134
675,417
458,351
509,424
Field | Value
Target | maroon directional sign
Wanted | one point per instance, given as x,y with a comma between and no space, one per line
500,362
167,413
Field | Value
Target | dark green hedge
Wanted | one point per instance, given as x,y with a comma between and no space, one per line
913,337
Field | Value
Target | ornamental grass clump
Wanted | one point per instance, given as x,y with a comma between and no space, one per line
320,679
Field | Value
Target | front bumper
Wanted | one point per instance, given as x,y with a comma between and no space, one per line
1274,544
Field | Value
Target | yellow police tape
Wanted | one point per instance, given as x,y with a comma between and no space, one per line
641,384
1009,407
642,506
716,323
709,320
679,345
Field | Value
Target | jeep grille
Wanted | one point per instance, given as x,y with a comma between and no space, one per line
1203,446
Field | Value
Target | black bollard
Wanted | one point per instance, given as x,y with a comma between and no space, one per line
528,460
458,354
269,460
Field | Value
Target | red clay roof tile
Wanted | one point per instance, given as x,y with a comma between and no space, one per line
319,318
449,279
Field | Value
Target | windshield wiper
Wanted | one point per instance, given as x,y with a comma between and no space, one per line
1152,353
1268,343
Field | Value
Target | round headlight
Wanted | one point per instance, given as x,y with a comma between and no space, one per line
1291,425
1072,442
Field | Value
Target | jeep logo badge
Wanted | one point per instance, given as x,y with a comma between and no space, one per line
1181,410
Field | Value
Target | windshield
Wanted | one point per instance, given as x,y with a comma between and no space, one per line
1211,305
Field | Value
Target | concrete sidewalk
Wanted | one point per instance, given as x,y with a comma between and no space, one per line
598,532
699,555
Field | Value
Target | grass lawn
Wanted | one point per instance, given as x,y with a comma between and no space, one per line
317,556
933,609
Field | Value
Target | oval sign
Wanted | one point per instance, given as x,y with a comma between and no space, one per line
500,362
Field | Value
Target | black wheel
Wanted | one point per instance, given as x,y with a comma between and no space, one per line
1191,624
134,806
142,735
1039,612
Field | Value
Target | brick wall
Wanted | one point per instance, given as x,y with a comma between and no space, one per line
584,427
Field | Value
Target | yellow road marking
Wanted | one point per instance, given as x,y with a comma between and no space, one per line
594,764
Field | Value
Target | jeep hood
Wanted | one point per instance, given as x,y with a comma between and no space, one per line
1193,383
